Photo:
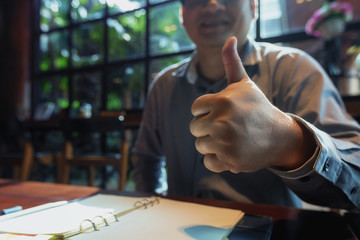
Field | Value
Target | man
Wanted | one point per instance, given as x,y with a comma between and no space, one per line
277,129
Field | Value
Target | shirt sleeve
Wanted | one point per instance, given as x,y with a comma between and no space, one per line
148,160
331,177
328,178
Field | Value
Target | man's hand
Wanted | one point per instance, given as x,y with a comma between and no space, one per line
239,130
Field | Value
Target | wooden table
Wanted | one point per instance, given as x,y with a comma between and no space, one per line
290,223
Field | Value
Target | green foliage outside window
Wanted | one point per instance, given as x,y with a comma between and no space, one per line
88,46
54,52
126,87
79,42
82,10
127,35
120,6
53,14
166,32
56,90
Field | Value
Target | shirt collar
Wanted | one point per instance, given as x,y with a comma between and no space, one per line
250,58
251,54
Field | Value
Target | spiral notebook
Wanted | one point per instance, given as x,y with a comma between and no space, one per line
112,217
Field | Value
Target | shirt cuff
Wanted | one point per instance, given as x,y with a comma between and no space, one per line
309,166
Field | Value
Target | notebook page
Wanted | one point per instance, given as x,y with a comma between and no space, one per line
170,219
66,217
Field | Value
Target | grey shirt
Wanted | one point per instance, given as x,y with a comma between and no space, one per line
292,81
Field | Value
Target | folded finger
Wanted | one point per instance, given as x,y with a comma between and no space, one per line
202,105
205,145
200,125
212,163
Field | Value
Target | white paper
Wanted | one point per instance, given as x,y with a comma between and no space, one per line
169,219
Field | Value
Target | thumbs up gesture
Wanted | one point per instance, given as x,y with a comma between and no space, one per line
239,130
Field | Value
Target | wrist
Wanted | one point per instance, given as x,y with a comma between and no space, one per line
299,147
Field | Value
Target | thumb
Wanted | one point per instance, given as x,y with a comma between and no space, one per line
234,68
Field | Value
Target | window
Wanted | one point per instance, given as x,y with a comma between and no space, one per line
283,17
103,53
106,52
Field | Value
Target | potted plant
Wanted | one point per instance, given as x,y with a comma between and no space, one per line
329,21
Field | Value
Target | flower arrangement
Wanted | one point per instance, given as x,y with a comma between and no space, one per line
353,58
329,21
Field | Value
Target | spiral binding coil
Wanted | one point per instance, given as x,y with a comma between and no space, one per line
89,225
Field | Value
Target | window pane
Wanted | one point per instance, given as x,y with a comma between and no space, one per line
52,90
86,94
53,13
87,9
282,16
127,35
116,6
88,46
167,34
126,87
159,64
157,1
54,51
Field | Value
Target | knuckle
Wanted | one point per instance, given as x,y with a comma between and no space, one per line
224,101
193,128
200,146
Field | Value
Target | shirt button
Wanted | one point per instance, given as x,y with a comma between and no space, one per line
326,166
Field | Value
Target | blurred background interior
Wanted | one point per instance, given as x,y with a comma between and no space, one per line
92,61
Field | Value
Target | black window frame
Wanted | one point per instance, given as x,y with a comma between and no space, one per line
70,71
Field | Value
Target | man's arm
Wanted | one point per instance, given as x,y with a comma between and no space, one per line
238,129
148,160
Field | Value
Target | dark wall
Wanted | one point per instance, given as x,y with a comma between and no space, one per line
15,46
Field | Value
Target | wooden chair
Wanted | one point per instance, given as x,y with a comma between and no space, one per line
21,162
18,150
96,128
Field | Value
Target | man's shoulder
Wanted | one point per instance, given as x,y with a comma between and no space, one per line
285,51
175,70
276,56
168,77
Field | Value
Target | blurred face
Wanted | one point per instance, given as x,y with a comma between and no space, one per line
209,23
